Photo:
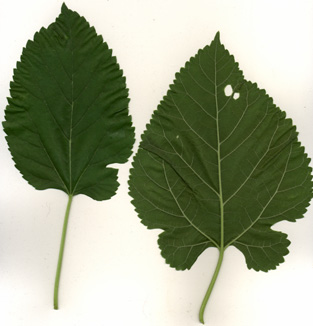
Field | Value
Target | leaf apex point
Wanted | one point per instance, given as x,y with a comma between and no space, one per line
64,8
217,37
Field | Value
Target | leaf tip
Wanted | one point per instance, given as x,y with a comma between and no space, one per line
217,37
64,8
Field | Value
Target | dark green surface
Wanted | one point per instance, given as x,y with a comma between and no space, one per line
67,117
214,170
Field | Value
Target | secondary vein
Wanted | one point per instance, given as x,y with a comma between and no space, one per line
183,211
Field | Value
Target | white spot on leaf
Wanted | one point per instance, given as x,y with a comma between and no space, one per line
228,90
236,96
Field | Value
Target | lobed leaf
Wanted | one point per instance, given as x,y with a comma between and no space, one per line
216,169
67,117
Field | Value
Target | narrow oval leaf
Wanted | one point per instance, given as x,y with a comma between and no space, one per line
218,166
67,117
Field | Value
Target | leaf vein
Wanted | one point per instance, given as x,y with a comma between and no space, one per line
183,212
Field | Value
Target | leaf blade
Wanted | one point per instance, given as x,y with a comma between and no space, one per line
69,108
198,128
226,165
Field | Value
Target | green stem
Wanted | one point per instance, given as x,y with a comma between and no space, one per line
61,252
209,291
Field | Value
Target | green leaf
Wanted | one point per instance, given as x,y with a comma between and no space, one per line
67,119
218,165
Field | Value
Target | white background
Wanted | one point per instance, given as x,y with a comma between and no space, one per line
113,273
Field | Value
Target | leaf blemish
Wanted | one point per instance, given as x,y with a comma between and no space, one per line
236,96
228,90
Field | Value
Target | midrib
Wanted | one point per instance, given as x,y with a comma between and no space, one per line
71,120
219,160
